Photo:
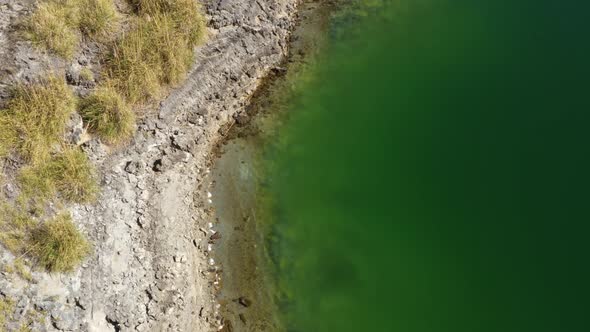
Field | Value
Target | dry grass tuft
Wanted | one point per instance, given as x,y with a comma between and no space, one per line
186,14
158,51
53,27
57,245
35,119
68,174
22,270
14,227
98,18
56,25
6,308
108,115
86,75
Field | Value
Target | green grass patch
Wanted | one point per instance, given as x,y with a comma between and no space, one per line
107,114
35,119
57,245
68,174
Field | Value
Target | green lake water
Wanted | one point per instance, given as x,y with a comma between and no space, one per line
432,173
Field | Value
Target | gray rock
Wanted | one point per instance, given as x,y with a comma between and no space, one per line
74,129
63,320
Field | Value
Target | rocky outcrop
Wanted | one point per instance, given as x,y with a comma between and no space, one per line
149,270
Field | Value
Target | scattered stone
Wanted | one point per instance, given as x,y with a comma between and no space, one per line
74,129
244,301
132,167
242,118
180,258
81,303
158,166
10,191
63,320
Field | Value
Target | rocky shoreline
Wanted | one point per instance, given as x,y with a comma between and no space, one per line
248,293
150,269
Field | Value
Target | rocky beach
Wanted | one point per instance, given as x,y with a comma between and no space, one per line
149,267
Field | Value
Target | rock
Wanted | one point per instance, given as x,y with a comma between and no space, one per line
158,165
74,129
244,301
242,119
183,142
177,157
216,236
63,320
10,191
81,303
73,74
83,60
179,258
132,167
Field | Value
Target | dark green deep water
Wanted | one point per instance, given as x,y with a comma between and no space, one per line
433,173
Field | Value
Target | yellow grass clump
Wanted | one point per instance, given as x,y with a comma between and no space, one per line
6,308
53,27
35,119
107,114
22,270
68,174
14,227
57,25
98,18
158,51
57,245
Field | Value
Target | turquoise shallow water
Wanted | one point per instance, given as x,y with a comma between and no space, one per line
433,174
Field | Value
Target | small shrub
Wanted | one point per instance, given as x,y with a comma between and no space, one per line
57,245
107,114
36,117
69,173
53,27
98,18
